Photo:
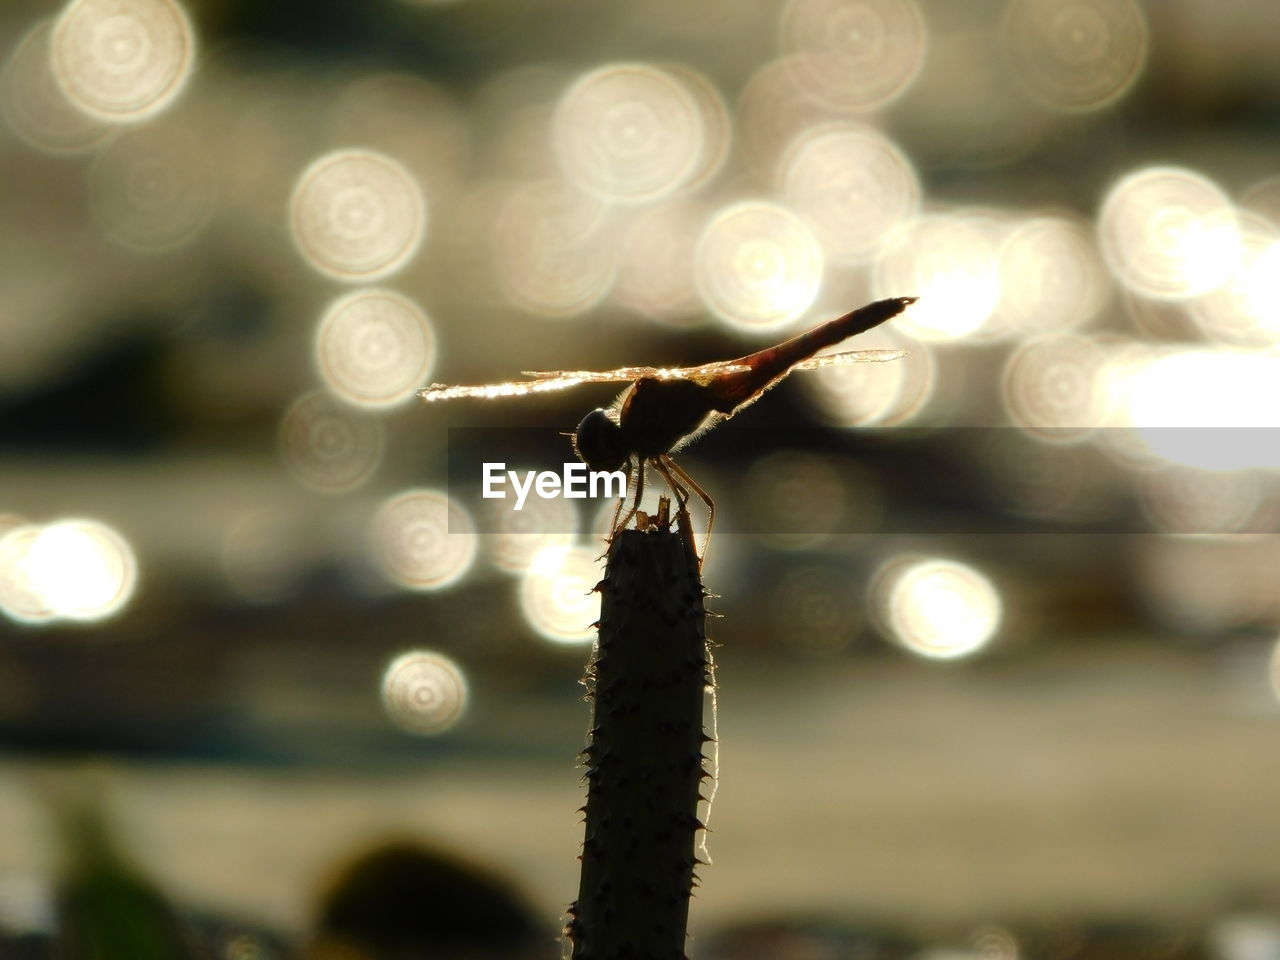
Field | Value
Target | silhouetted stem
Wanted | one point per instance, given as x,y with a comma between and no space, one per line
644,756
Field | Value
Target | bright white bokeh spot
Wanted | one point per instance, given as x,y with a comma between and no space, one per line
328,446
758,266
557,594
1169,233
374,348
1075,55
1183,404
553,249
939,609
633,133
655,264
853,187
950,263
855,54
357,215
83,569
424,692
35,105
122,60
21,595
423,540
1245,310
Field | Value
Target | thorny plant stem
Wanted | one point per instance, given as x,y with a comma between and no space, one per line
648,674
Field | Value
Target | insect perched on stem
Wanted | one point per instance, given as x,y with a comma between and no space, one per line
665,408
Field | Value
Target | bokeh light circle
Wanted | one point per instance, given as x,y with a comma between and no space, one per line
153,189
852,185
758,266
553,250
35,105
939,609
1052,276
862,394
83,569
557,593
1169,233
1075,55
374,348
519,536
423,540
424,692
1245,310
1052,387
327,446
357,215
855,54
122,60
631,132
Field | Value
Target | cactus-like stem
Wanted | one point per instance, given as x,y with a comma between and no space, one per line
647,679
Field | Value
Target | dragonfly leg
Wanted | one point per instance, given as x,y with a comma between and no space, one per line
670,469
635,506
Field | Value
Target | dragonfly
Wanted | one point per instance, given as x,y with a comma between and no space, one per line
664,408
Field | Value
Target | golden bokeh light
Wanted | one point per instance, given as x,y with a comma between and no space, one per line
880,394
1245,310
553,249
34,104
327,446
634,133
122,60
1077,55
515,538
855,54
1169,233
357,215
950,262
1051,387
374,348
424,692
939,609
853,187
423,540
557,593
758,266
1053,278
153,189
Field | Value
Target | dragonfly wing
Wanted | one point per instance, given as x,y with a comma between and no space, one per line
488,391
849,356
629,374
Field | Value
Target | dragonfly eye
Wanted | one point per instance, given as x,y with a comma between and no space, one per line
598,442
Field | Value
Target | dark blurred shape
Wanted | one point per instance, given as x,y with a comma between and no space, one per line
107,909
405,900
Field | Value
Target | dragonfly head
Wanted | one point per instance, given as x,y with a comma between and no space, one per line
598,442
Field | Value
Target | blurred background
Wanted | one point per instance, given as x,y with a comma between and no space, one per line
998,666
